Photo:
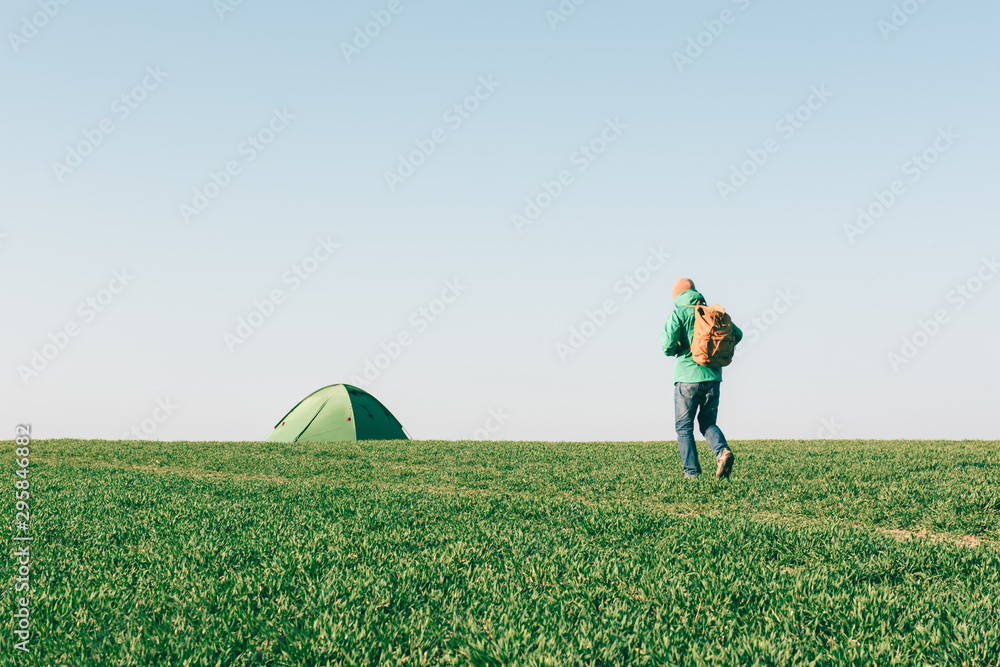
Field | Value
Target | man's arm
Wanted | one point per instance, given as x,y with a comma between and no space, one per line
673,338
738,333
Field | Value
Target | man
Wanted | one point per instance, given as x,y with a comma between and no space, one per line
696,387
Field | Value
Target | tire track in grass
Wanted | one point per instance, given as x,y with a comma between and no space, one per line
638,502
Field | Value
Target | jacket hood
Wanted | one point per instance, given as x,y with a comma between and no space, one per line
688,298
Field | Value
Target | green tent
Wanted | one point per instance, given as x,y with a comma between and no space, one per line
338,412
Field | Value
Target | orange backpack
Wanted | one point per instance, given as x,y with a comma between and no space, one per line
713,342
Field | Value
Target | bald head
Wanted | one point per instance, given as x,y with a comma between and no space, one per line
682,285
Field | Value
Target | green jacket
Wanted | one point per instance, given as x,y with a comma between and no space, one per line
676,341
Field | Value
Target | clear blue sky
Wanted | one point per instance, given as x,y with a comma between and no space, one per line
824,105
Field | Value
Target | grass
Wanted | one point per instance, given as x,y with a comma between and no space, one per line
416,552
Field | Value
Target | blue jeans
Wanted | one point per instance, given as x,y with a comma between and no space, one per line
701,398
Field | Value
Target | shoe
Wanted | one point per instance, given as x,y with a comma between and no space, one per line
688,475
726,459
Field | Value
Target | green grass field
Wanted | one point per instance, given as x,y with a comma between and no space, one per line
219,553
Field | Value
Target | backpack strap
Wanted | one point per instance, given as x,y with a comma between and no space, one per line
716,307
